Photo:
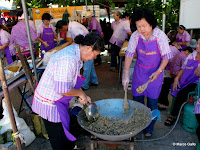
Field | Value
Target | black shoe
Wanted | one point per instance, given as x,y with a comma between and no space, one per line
92,84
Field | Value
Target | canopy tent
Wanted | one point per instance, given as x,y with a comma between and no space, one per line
3,8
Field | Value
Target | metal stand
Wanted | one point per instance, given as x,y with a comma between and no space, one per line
95,141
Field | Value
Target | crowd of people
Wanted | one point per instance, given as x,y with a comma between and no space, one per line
170,61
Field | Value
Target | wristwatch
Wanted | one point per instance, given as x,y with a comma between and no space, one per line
160,70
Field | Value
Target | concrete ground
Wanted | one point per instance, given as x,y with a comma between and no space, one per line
108,89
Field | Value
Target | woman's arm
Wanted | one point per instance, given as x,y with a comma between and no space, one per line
176,80
182,43
78,92
162,66
3,46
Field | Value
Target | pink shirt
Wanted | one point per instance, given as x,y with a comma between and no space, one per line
185,36
158,34
177,63
95,25
120,33
5,39
19,34
76,28
174,52
114,24
41,27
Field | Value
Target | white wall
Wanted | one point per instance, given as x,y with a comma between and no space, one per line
190,14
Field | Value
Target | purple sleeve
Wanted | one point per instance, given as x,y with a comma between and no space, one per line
132,45
33,34
163,45
94,24
127,27
187,37
12,36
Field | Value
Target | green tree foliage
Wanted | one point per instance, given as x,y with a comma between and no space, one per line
171,9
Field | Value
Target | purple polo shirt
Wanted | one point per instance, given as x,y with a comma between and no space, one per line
19,34
95,25
162,41
185,36
114,24
177,63
120,33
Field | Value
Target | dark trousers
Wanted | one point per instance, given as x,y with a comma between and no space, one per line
163,98
182,97
57,136
114,53
198,129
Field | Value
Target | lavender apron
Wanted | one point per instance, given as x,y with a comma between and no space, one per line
47,36
188,76
182,46
148,61
63,108
7,52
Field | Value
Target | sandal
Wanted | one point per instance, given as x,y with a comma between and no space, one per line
170,121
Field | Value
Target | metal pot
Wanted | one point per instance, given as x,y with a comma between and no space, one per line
112,108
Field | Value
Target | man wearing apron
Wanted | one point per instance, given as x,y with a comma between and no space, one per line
182,37
59,83
153,53
46,34
185,82
4,44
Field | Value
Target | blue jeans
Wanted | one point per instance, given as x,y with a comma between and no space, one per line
152,104
89,71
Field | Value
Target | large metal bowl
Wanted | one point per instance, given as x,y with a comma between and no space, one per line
112,108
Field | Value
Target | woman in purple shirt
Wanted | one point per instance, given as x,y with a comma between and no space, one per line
153,53
182,38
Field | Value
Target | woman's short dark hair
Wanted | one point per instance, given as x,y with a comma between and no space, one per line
60,24
182,27
146,14
125,14
91,39
189,49
46,16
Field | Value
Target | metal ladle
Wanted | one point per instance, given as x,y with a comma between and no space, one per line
91,111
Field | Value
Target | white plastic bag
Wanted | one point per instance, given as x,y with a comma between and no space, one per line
29,136
47,56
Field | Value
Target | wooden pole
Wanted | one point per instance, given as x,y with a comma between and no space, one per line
8,104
